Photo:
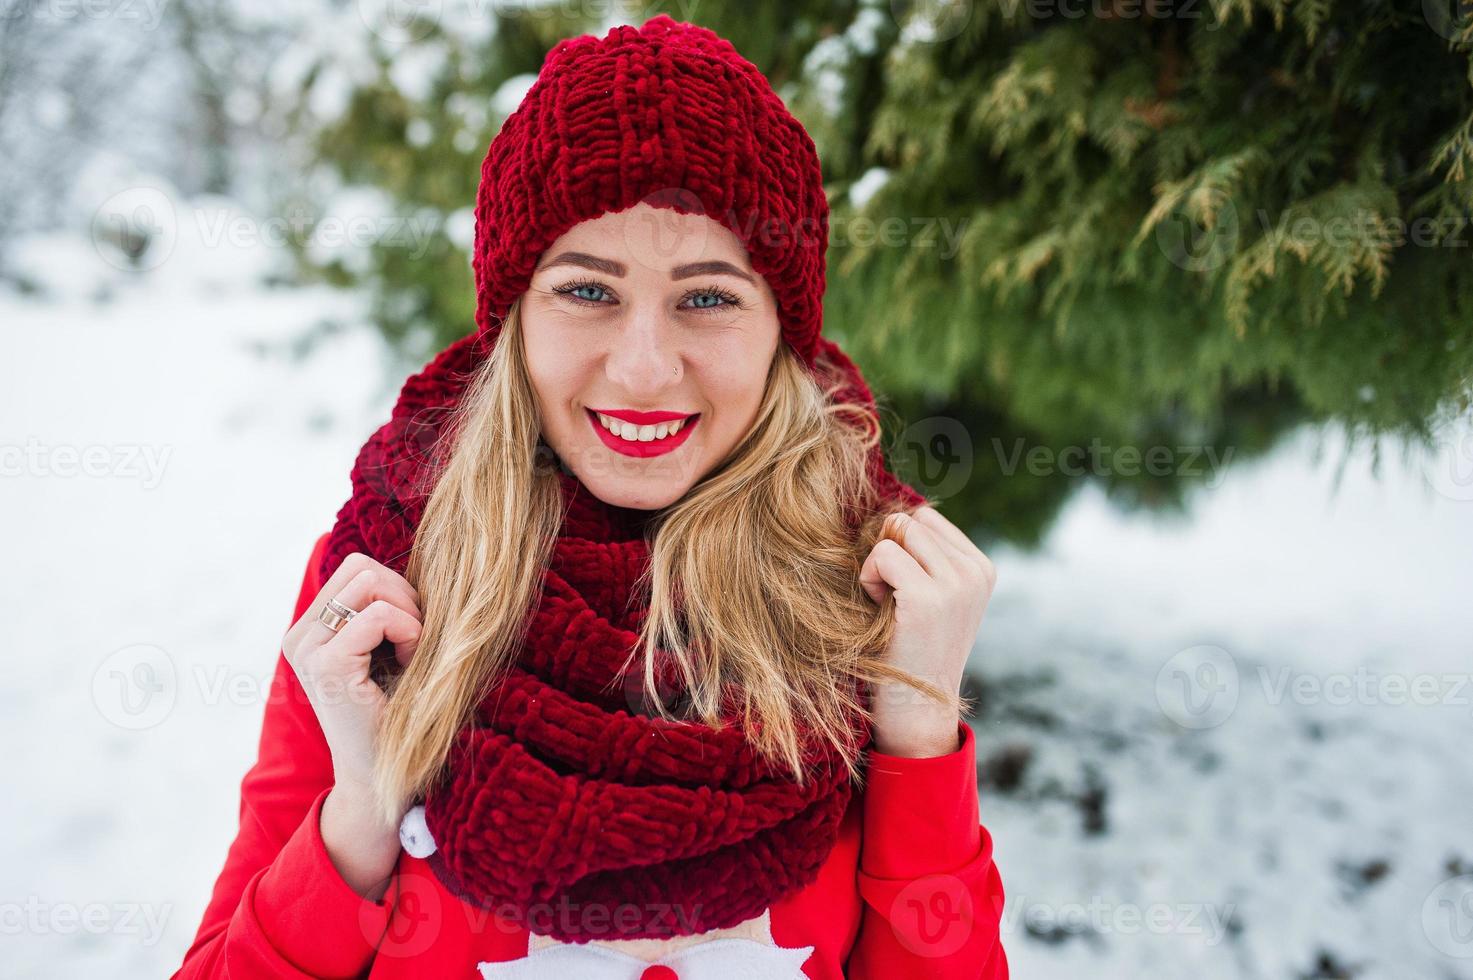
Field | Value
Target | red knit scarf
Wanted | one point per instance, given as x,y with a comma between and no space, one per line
563,806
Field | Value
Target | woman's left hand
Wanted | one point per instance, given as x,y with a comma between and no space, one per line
941,582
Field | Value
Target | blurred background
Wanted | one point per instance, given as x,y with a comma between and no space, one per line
1170,306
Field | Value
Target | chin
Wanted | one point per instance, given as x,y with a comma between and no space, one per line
638,483
654,493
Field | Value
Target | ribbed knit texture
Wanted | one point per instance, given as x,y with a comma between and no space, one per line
563,807
668,114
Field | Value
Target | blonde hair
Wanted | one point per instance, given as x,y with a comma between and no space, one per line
774,618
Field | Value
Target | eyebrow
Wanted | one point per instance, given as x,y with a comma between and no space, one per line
610,267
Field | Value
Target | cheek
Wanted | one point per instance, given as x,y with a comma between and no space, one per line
556,367
733,382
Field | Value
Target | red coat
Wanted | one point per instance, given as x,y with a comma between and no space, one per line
910,890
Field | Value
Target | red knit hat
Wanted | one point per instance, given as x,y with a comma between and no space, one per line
668,114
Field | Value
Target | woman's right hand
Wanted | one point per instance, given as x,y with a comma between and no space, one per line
334,667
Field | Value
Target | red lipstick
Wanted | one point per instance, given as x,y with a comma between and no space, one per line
643,450
642,418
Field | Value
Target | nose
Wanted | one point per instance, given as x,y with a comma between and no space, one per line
644,358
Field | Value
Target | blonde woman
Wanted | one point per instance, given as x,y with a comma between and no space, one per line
627,658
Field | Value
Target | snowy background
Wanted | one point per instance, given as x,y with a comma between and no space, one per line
1195,751
1232,744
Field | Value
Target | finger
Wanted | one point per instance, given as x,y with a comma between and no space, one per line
378,583
922,544
351,566
889,567
369,580
952,535
379,621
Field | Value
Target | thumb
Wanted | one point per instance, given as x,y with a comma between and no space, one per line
389,659
872,581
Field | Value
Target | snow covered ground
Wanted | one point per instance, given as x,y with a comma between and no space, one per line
1246,735
1230,746
147,591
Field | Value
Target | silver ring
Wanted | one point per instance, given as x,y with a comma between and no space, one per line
335,615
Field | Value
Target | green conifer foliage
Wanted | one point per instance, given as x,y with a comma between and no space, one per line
1143,223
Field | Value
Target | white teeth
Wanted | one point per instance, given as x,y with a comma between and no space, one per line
639,433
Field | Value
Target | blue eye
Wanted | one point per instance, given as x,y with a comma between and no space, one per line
712,299
573,289
723,300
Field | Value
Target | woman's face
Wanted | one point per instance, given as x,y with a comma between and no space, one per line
638,322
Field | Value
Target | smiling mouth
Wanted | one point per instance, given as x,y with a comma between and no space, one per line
645,440
630,432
